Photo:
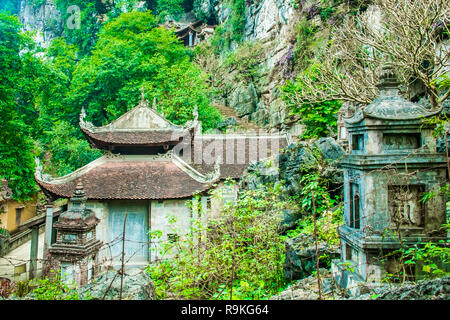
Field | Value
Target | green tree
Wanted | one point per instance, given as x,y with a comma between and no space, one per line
169,7
16,146
320,118
67,151
82,30
239,254
133,52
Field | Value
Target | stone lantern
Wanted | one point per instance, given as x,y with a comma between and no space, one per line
392,163
75,251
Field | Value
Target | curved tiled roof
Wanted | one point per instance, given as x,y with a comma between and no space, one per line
141,125
134,137
236,152
127,179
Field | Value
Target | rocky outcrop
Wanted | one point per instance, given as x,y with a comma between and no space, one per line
433,289
44,18
137,285
307,289
300,259
291,164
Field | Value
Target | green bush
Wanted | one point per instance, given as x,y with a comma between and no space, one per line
319,119
243,241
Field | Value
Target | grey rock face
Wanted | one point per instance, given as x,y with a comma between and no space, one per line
244,99
301,257
46,19
137,285
228,122
291,163
434,289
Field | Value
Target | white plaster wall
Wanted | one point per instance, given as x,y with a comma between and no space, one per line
100,209
168,217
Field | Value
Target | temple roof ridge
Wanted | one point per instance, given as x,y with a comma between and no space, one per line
390,105
211,177
115,176
139,118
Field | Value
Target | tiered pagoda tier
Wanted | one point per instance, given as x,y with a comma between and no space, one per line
142,130
142,163
139,163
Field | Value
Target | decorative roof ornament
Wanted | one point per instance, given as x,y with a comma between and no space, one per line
388,79
389,105
83,123
79,199
5,191
215,175
154,103
194,122
195,113
39,174
143,102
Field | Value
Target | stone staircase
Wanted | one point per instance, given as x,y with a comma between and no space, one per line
241,125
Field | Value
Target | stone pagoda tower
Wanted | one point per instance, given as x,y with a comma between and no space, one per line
392,163
75,251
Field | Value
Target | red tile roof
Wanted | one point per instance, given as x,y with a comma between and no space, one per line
236,152
149,137
117,179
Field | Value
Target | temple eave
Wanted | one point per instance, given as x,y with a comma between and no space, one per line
108,140
125,179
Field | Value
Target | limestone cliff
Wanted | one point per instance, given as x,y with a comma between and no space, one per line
43,18
273,25
270,23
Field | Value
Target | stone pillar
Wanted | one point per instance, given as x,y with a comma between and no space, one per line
48,228
191,42
34,251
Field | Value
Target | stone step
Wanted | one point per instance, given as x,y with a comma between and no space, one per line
228,112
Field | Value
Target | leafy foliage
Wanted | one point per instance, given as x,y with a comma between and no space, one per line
320,119
68,152
9,6
41,99
243,242
232,30
170,7
16,146
133,52
315,196
48,288
246,59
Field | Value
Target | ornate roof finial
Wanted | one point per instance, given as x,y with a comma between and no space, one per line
143,102
83,123
79,198
82,114
195,113
38,172
388,79
79,189
5,191
154,103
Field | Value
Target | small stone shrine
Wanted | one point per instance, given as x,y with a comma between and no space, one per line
75,251
392,163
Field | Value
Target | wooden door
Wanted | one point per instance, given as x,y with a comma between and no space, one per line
136,230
